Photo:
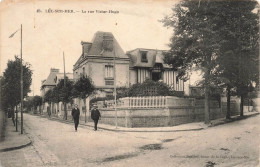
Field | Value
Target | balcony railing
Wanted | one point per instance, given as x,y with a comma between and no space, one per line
144,102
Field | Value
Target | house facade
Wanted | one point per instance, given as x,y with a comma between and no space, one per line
98,60
100,56
52,80
149,64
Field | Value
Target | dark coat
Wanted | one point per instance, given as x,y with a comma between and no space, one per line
75,113
95,114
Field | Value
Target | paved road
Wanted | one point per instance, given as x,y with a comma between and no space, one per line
57,144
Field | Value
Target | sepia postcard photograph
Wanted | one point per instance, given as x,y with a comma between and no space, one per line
123,83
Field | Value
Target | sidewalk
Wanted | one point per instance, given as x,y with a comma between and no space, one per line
195,126
13,140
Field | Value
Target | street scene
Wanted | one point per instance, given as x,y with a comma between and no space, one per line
61,146
119,83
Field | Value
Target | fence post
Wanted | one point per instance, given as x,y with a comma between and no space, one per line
150,101
137,102
134,98
156,101
166,101
159,101
141,102
153,101
194,108
130,102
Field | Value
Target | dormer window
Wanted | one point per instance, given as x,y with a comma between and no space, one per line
144,56
85,48
107,43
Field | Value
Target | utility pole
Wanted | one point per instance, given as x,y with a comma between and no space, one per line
21,79
11,36
65,105
115,81
259,43
16,119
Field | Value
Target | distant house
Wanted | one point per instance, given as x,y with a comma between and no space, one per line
98,60
53,79
149,64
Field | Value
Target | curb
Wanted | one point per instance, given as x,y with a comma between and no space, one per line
237,118
15,148
6,149
117,130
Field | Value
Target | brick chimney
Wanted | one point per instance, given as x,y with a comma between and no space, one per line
108,40
54,70
85,47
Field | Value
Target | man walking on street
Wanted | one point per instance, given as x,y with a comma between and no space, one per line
12,115
75,114
95,114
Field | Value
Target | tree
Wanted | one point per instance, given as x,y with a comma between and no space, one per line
1,96
239,60
216,36
226,71
64,92
55,98
37,101
82,89
11,84
195,40
28,104
48,96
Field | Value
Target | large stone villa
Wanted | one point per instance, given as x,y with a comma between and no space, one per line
98,60
135,66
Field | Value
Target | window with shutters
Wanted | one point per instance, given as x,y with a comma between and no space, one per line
109,71
109,75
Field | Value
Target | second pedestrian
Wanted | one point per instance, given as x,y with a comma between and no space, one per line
95,114
75,114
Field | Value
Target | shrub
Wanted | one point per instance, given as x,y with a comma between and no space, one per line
177,93
149,88
94,100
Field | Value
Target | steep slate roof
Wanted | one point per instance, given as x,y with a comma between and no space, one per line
153,56
51,79
96,47
61,76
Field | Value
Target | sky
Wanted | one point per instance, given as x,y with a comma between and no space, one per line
47,35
